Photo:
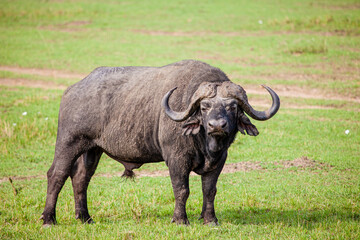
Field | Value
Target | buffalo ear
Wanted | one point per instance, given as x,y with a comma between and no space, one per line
244,124
191,126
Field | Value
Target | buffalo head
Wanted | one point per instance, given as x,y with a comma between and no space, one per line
219,109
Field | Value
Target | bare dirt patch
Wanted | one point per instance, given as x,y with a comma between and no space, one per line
190,34
73,26
30,83
341,74
242,167
231,34
43,72
76,23
263,104
20,82
300,163
300,92
354,6
228,168
21,178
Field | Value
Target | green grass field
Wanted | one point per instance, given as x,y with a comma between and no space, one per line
299,178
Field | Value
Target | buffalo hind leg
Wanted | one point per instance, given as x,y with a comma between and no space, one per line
81,173
56,177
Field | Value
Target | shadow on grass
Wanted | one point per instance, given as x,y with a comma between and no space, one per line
304,218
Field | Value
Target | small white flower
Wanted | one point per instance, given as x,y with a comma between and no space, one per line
14,124
24,113
347,131
46,118
260,22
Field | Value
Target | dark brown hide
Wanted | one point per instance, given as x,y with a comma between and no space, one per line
118,111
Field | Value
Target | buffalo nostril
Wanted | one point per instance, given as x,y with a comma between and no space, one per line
219,124
223,125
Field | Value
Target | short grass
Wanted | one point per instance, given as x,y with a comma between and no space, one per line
267,204
302,44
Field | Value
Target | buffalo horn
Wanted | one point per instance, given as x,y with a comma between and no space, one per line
176,116
261,115
204,90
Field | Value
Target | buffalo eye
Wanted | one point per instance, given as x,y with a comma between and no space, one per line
205,106
231,107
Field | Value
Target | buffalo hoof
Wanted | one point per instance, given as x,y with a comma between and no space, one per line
84,217
212,224
211,221
89,221
184,221
48,220
47,225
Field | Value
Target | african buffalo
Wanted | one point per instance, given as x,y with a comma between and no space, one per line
186,114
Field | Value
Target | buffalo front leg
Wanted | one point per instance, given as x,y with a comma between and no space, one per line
180,184
209,181
209,192
81,173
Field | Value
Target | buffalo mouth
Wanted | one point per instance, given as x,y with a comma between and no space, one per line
218,134
216,140
215,144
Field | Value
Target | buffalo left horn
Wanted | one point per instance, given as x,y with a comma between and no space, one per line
232,90
260,115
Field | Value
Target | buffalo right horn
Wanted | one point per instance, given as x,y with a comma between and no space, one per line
176,116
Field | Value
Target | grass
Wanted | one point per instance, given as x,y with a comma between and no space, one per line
308,47
275,204
287,44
